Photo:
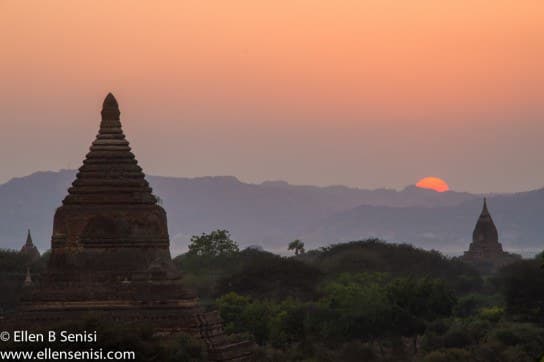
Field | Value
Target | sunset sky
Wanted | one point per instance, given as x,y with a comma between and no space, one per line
370,93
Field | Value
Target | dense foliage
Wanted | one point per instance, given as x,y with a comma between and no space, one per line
216,243
398,259
13,269
522,285
361,307
250,272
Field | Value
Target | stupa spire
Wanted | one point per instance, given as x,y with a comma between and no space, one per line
110,173
485,229
29,239
29,248
110,108
485,211
110,101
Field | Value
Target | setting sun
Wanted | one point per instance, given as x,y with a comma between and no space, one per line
433,183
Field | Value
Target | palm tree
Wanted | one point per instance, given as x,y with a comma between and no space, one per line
297,246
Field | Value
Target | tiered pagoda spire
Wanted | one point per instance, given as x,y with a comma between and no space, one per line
485,230
110,173
29,239
110,206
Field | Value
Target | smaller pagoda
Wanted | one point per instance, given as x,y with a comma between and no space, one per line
30,249
485,252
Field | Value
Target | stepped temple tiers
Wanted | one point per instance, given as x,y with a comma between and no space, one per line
29,248
110,254
485,251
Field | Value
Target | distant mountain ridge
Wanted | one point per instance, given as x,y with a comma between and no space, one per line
274,212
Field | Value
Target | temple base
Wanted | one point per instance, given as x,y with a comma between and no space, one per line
487,261
164,305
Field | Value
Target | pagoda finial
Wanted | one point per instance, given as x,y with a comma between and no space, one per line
484,209
110,108
28,238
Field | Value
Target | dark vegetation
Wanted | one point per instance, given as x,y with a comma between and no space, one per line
373,301
358,301
13,267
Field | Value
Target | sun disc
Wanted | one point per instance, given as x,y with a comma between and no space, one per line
433,183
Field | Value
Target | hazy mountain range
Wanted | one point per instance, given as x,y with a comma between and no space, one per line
273,213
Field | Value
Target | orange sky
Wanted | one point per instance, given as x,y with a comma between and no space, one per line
363,93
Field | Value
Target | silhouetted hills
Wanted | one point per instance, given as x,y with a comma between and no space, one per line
444,228
273,213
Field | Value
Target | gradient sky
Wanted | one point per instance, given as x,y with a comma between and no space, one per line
370,93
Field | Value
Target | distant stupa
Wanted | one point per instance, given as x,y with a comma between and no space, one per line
485,252
110,254
29,249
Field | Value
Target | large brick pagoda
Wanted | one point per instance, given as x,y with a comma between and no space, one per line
110,253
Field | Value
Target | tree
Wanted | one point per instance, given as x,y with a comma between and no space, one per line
540,256
267,276
522,286
216,243
243,315
353,307
417,302
297,246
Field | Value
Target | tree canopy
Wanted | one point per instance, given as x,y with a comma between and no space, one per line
216,243
297,246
